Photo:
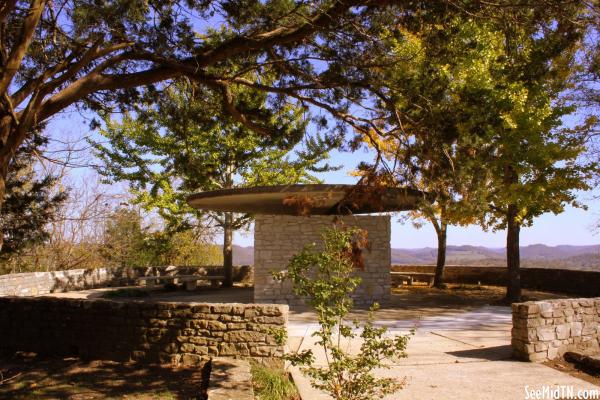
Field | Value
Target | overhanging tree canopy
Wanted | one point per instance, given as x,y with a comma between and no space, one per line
96,54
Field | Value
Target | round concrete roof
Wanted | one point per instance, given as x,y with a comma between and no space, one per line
322,199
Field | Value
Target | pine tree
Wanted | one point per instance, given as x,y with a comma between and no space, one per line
31,200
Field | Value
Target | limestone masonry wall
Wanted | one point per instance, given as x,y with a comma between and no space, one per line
178,333
576,282
278,238
544,330
36,283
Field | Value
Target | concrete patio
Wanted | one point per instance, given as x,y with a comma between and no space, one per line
458,355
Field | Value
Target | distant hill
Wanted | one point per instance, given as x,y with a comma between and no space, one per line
537,255
465,255
243,255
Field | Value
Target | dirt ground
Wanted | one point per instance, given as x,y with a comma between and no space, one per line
25,376
572,369
406,302
461,294
419,301
464,294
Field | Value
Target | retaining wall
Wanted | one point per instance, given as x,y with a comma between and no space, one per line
544,330
37,283
178,333
279,237
581,283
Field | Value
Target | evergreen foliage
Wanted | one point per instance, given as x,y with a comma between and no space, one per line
128,243
31,201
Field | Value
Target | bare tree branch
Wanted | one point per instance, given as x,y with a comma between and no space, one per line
19,50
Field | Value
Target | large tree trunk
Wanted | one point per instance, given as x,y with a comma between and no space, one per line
513,260
438,280
5,157
5,152
2,194
228,250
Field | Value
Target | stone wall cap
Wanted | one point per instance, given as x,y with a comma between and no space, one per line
589,300
148,303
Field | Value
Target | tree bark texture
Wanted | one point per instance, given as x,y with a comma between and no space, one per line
513,261
228,250
438,280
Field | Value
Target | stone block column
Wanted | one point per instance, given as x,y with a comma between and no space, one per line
278,237
545,330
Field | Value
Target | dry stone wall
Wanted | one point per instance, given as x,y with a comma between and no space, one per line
544,330
39,283
178,333
278,238
575,282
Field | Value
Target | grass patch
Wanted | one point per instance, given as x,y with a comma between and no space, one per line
119,293
272,383
463,286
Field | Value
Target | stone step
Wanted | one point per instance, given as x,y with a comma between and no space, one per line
230,379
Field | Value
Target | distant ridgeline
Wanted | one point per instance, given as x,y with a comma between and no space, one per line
534,256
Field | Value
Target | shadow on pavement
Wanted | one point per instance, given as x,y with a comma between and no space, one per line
495,353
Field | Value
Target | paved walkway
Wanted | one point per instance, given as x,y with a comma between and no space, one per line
458,355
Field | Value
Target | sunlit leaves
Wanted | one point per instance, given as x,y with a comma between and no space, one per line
184,142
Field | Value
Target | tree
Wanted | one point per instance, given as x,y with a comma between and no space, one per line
124,239
93,55
128,242
429,91
183,143
54,55
526,161
31,201
186,248
531,158
492,111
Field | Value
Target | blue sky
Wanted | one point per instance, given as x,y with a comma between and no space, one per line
573,227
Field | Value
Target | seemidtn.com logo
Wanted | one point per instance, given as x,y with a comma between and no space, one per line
560,392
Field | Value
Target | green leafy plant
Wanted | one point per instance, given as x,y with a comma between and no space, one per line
325,279
271,383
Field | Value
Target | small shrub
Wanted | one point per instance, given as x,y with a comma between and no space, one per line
326,279
272,383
